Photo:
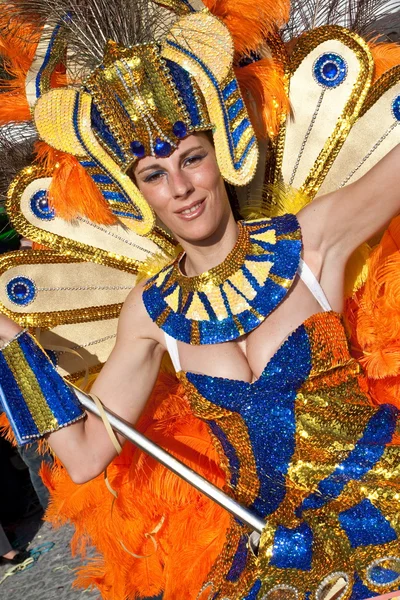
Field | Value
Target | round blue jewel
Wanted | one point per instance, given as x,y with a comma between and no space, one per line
161,148
21,290
330,70
179,129
137,149
396,108
40,206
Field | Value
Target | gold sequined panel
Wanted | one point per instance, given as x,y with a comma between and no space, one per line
82,240
245,490
333,410
235,430
15,265
326,423
303,169
137,78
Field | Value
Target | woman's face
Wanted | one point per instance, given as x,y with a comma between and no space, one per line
185,189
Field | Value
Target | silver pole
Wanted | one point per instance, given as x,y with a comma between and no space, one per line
176,466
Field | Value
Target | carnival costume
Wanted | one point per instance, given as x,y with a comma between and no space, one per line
305,446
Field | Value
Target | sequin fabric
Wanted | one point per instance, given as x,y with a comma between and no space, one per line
234,297
305,449
33,395
142,100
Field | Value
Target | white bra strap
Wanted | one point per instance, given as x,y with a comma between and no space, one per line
172,348
308,277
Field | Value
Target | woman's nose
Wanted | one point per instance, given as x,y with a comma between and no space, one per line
180,185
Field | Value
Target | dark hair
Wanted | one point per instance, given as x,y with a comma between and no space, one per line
233,201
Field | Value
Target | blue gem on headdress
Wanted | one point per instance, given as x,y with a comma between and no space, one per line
40,206
396,108
330,70
137,149
162,149
21,290
179,129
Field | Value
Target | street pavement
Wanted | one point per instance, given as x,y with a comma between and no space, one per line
52,575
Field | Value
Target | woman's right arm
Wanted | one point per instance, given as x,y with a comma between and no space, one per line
123,386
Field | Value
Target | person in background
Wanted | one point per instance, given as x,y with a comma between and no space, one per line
8,555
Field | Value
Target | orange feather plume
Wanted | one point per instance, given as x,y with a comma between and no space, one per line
47,156
374,319
385,55
250,22
72,192
262,85
17,47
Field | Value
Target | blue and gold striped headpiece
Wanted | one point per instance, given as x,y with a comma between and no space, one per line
142,100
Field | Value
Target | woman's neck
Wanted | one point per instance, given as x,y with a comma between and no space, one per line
209,253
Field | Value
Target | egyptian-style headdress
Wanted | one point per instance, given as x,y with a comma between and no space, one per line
108,86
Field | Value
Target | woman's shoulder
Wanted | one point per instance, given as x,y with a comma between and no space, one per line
135,316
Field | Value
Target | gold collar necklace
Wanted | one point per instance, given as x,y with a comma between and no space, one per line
234,297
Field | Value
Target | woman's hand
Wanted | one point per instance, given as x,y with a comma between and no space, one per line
8,329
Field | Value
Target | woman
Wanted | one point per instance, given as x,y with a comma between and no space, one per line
188,194
258,344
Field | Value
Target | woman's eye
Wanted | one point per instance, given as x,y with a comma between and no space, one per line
153,176
190,160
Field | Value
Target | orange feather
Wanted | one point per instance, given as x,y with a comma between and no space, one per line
250,22
72,192
373,315
18,46
47,156
263,90
386,55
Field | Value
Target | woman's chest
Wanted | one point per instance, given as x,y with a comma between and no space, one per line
246,357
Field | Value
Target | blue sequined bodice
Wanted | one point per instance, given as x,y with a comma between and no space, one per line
303,447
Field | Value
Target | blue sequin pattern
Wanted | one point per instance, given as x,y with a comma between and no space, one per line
21,290
271,251
330,70
40,207
33,395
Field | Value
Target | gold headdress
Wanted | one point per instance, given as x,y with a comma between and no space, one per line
142,99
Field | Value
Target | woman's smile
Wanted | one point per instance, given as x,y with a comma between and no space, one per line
192,211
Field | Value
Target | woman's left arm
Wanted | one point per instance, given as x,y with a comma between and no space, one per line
339,222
